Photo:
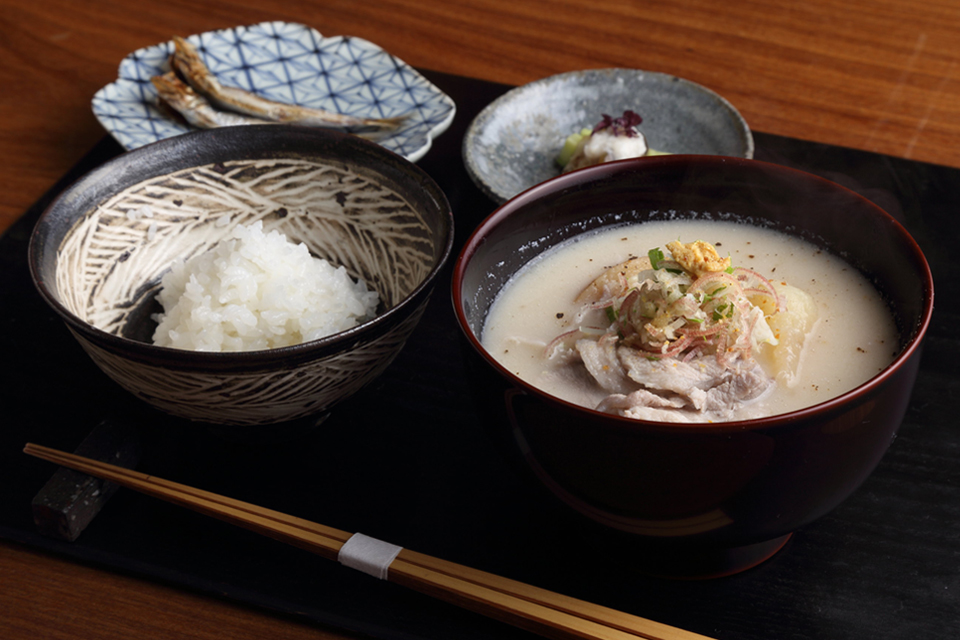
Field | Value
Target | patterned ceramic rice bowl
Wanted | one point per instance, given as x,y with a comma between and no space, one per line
97,259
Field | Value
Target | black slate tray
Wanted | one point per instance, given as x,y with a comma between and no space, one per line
407,461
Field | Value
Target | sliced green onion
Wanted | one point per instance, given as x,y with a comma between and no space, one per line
656,257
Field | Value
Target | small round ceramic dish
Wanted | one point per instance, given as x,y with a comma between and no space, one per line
286,62
513,143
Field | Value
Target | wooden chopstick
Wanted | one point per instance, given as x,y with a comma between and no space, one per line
538,610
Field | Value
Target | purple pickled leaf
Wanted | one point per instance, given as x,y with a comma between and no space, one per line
625,125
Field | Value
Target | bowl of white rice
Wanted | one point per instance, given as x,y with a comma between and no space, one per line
244,276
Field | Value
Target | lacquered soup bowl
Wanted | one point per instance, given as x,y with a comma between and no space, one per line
731,492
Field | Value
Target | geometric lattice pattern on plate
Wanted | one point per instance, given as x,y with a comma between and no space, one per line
286,62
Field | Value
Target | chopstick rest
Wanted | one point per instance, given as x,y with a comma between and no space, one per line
70,499
368,555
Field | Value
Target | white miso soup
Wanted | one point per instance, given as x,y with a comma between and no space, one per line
852,338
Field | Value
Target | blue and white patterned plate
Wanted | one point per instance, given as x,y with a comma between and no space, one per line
288,63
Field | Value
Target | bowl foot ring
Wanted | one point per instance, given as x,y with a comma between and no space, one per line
705,563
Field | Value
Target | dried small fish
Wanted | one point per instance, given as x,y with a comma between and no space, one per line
196,109
187,62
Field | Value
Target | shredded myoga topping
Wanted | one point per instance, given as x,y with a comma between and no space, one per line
694,304
675,337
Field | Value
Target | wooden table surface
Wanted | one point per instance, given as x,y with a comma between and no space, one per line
877,75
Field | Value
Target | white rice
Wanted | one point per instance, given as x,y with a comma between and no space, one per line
257,291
